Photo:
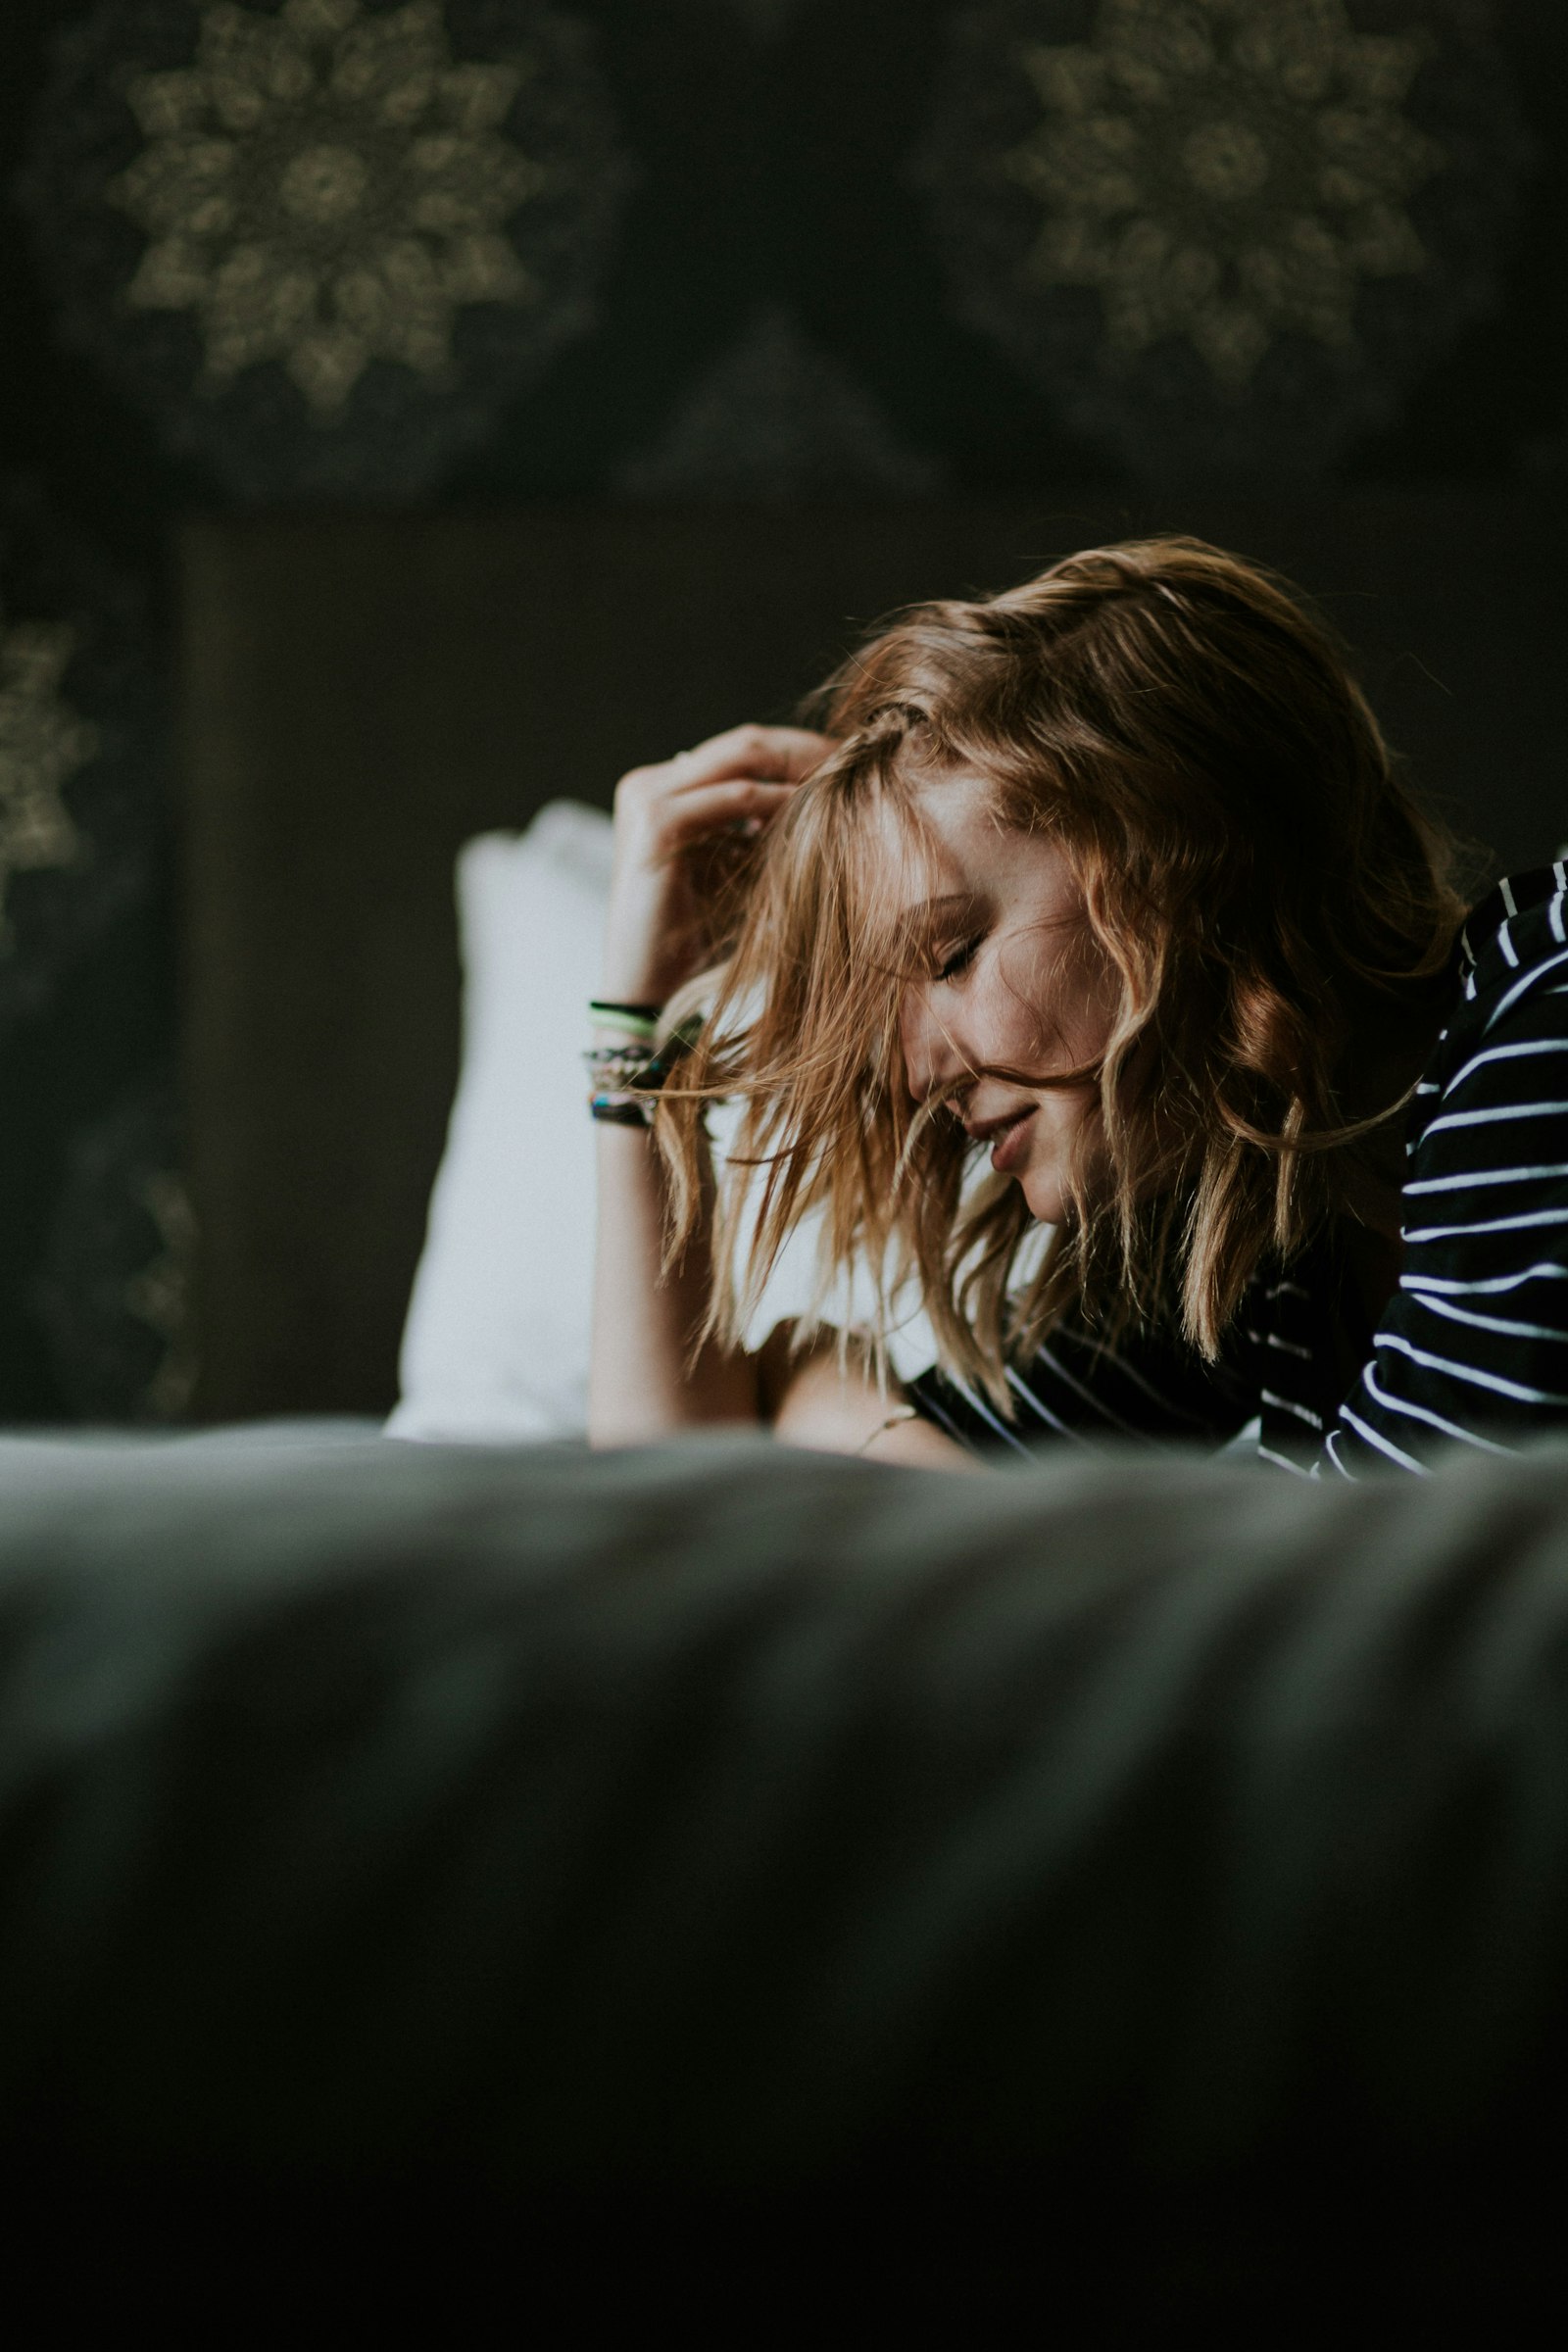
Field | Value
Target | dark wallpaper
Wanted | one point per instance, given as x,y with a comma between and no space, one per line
348,253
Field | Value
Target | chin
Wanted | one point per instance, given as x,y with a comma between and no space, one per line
1043,1194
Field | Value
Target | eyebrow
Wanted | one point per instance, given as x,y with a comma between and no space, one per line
948,898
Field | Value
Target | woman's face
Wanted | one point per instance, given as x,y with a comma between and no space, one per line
1017,982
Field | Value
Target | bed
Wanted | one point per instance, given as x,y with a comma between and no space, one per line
716,1887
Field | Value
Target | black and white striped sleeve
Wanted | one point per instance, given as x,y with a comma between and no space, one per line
1473,1348
1082,1390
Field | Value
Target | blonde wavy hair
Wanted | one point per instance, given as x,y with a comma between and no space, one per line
1278,911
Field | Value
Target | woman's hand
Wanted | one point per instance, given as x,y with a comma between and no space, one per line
674,823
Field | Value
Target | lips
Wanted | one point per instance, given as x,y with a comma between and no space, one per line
1008,1136
1011,1143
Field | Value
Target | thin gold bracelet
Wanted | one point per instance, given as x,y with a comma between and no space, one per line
905,1412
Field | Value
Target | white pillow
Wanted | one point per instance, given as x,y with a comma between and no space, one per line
496,1344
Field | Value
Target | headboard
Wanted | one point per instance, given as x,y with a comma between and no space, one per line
362,694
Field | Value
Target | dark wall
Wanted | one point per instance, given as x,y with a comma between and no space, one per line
485,252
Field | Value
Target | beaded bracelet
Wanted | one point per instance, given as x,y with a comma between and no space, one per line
612,1062
620,1110
625,1079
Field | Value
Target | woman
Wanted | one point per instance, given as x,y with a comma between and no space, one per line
1110,882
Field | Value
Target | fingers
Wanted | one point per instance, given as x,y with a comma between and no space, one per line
782,755
735,782
691,815
776,757
665,815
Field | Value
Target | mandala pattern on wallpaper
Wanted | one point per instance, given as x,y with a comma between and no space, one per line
776,418
82,783
325,242
43,746
116,1294
1229,233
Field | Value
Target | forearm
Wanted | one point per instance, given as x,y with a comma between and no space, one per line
644,1379
673,820
827,1400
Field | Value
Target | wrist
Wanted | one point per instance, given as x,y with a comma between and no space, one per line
638,984
631,1059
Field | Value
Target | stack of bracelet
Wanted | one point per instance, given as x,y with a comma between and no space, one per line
624,1078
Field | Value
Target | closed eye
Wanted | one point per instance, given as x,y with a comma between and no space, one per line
959,960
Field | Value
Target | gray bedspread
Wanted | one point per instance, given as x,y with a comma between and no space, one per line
1138,1845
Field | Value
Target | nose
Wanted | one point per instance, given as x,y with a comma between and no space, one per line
934,1058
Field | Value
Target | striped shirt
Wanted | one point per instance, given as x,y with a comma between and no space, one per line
1472,1347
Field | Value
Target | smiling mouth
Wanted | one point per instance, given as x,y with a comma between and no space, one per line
1006,1136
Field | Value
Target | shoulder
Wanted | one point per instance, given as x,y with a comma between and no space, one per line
1515,938
1510,977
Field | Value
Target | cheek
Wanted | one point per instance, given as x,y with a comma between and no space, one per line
1011,1020
1045,1008
1060,1122
1065,1146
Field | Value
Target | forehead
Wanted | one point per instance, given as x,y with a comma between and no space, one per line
952,841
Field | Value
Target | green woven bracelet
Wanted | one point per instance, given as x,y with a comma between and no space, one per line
638,1021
